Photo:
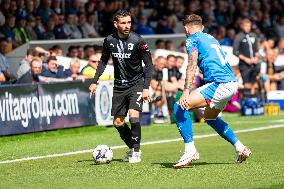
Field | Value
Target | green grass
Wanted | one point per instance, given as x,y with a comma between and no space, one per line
215,169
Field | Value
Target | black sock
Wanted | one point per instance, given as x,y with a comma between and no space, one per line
136,135
125,134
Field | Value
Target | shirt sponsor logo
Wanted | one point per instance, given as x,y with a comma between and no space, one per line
121,55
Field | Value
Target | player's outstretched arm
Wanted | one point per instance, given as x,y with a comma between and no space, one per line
190,72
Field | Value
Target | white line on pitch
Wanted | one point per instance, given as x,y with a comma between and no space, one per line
144,143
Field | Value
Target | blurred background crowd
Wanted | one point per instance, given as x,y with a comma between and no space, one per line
22,21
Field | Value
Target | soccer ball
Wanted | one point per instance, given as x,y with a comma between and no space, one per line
102,154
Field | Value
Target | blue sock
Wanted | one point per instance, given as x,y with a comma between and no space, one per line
223,129
184,123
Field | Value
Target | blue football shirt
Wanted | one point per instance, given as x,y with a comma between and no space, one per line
211,58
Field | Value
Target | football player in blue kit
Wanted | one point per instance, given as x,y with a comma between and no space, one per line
220,86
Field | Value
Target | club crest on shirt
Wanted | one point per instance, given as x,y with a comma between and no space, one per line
144,47
188,42
130,46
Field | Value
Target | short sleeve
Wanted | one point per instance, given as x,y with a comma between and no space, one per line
190,44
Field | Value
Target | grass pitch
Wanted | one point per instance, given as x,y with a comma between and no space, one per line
215,169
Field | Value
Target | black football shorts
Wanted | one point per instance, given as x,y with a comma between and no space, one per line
127,98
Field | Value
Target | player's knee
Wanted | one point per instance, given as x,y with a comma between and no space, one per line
134,120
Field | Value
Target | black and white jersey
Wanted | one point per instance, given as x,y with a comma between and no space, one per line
127,55
245,44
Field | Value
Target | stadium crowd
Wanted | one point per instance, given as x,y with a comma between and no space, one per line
22,21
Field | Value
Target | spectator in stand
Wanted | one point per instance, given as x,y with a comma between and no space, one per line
4,65
7,28
178,9
82,25
39,28
158,89
90,6
31,76
21,9
160,44
279,27
81,53
4,8
157,76
74,70
57,50
91,31
37,6
246,48
169,45
179,76
52,69
59,28
30,28
30,11
163,26
57,7
98,49
142,27
230,36
71,29
276,67
72,6
2,19
221,36
221,13
49,32
13,7
171,85
89,51
72,51
20,32
45,11
90,70
25,63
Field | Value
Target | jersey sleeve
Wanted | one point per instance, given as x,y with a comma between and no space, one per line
191,44
147,59
106,52
103,62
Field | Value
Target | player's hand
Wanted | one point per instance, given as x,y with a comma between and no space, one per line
145,95
92,89
254,60
248,61
184,99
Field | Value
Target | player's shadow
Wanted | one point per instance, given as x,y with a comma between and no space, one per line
92,162
171,165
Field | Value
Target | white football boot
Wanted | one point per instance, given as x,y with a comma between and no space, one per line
243,155
186,159
136,157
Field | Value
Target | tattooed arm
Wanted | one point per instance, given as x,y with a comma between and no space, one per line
190,72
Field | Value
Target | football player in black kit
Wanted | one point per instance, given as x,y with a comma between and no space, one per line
131,84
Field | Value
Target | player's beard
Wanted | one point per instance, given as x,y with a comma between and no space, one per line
126,32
